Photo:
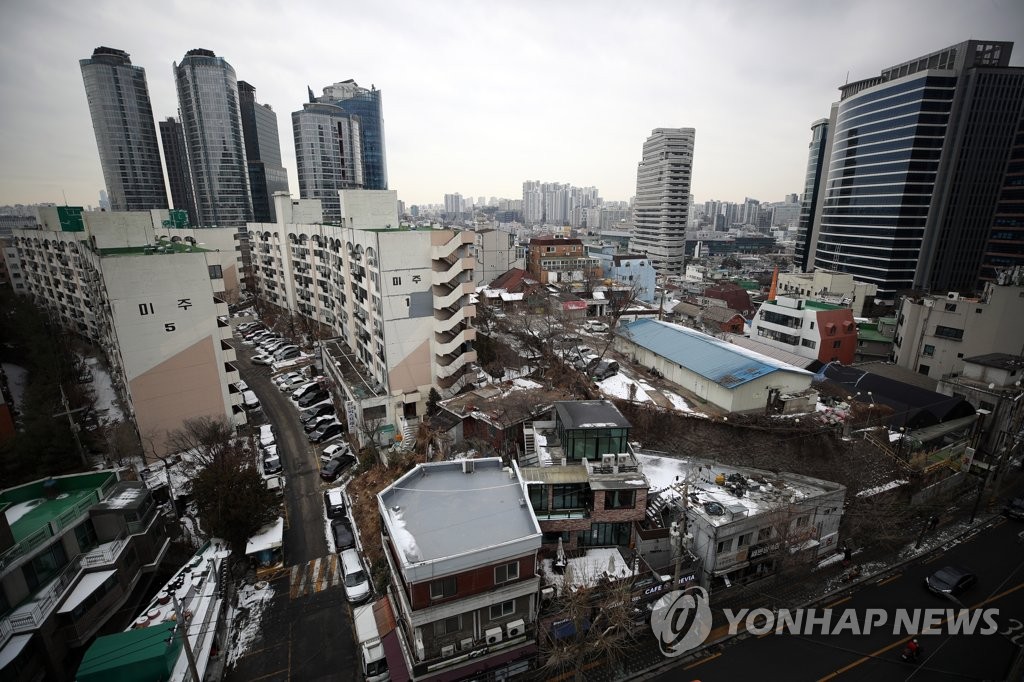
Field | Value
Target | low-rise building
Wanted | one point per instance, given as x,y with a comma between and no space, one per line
558,259
580,476
72,549
725,375
992,383
828,286
812,329
633,271
745,524
495,252
461,543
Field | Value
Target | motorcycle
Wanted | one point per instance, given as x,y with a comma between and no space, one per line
911,654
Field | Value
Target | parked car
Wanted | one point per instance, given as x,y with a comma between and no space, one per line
283,379
951,580
271,465
332,451
293,383
303,389
327,433
271,346
318,410
334,503
275,484
333,469
267,435
241,386
250,401
261,359
285,348
313,398
356,582
343,538
596,327
1014,509
315,432
287,354
604,369
314,424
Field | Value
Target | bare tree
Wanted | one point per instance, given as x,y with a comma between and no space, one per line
123,443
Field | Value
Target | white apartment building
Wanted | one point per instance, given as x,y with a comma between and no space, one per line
829,286
396,300
152,298
495,252
935,333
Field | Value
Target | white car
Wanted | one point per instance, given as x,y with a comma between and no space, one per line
241,386
284,381
267,435
332,451
262,360
596,327
250,401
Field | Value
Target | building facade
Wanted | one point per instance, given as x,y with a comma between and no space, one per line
178,174
328,154
394,302
632,271
935,333
152,301
809,328
72,549
495,252
466,601
917,162
555,259
661,208
1005,248
122,118
262,153
809,198
212,126
839,288
366,106
992,383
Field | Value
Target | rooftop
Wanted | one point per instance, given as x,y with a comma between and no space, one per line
162,247
724,363
998,361
590,414
31,507
444,510
505,404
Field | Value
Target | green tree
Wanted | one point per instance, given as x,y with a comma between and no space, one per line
229,491
433,398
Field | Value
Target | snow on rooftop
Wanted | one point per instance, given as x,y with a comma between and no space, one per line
543,454
16,511
877,490
403,539
269,536
587,570
124,498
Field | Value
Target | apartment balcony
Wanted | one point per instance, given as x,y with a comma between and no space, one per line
444,251
221,306
446,344
444,276
229,352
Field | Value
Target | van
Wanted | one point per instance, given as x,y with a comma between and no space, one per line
604,369
355,580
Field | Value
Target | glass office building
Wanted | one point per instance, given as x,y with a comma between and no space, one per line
212,127
809,199
328,155
366,105
262,152
122,118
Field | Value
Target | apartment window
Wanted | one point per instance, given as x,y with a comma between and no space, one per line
837,344
606,534
94,598
807,343
216,272
923,369
725,545
620,499
801,521
812,324
447,626
744,540
397,281
978,310
928,351
506,572
764,534
85,533
502,610
949,332
569,496
44,566
443,588
951,307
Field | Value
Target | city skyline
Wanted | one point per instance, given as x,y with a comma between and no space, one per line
481,104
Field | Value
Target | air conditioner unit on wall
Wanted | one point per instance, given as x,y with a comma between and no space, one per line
493,635
466,644
515,628
448,650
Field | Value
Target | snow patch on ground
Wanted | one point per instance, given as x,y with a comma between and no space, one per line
617,386
678,403
247,627
17,379
106,397
881,488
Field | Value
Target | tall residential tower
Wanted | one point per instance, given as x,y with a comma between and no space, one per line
328,154
662,203
122,119
212,125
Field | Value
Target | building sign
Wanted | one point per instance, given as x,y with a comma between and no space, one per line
178,219
351,414
644,591
70,218
764,549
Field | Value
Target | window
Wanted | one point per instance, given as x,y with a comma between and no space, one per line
725,545
949,332
743,540
837,344
538,497
215,272
552,537
764,534
85,533
569,496
923,369
801,521
606,534
951,307
506,572
620,499
978,310
443,588
397,281
807,343
928,351
447,626
812,324
505,608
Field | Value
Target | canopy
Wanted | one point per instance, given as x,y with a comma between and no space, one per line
86,586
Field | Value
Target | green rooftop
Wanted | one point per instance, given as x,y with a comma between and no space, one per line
33,506
821,305
145,654
869,332
166,245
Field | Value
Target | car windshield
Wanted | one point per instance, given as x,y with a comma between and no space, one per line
355,578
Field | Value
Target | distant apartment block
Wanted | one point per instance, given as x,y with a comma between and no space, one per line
395,302
154,299
934,334
72,549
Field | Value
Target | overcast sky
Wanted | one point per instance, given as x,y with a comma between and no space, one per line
480,96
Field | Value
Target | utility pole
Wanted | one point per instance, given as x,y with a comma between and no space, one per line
193,671
75,428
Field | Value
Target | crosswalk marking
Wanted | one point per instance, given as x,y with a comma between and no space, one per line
314,576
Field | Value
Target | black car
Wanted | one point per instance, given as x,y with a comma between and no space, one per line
1014,509
313,398
311,413
951,580
337,465
343,538
326,433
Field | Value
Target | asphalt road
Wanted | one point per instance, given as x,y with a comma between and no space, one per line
306,629
993,554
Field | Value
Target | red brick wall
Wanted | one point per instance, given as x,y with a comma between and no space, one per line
470,582
845,333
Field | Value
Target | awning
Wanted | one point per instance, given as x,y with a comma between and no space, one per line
13,648
86,586
734,567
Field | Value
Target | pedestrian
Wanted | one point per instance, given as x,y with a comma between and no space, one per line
846,554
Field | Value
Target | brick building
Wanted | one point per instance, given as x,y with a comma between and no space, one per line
556,259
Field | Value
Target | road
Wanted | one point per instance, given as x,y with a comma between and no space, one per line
306,629
993,554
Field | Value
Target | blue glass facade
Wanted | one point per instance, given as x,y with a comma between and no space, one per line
809,198
366,105
887,147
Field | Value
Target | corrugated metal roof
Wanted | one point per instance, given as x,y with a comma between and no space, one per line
779,354
725,364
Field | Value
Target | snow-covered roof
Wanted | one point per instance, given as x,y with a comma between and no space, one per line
269,536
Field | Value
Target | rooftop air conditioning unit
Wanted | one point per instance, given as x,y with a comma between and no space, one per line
466,644
516,628
608,460
448,650
953,296
623,459
493,635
